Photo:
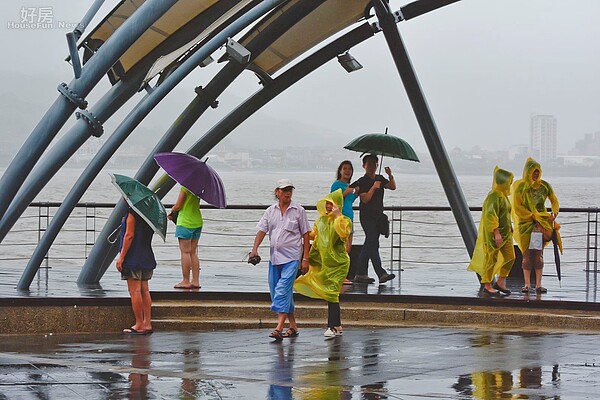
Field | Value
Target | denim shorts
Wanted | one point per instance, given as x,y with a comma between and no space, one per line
187,233
140,275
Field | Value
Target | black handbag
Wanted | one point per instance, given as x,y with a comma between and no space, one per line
383,225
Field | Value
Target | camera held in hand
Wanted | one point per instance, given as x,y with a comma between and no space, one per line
254,259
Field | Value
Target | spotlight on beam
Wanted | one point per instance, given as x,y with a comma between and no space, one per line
238,52
349,63
207,61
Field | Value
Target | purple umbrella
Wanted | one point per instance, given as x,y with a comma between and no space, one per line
198,177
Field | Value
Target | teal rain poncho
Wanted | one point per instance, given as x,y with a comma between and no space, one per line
495,213
328,259
529,205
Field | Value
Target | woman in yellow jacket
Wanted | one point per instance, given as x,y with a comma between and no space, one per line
494,252
530,215
328,259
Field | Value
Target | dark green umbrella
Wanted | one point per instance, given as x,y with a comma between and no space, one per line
144,202
382,144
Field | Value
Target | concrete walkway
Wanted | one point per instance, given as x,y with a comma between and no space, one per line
400,363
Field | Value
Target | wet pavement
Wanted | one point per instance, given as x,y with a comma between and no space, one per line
440,280
402,363
398,363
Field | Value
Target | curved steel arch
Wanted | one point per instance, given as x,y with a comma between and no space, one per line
126,127
103,253
83,129
209,140
73,96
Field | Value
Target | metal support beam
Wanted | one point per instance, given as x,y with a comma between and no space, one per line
132,121
432,137
88,124
100,257
106,252
42,135
122,91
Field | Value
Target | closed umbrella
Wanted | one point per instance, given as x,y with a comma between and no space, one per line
144,202
197,176
556,254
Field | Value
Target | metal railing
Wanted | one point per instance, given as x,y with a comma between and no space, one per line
419,236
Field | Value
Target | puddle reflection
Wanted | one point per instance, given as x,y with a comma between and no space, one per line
326,380
138,383
191,363
281,371
526,383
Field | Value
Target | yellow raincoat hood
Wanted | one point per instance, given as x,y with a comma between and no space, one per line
502,180
530,166
334,197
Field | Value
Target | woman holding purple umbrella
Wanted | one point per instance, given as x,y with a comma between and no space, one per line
189,228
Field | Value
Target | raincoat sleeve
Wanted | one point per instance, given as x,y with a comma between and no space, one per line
554,204
343,227
312,235
521,212
489,215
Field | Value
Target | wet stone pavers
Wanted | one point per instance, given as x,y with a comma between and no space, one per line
399,363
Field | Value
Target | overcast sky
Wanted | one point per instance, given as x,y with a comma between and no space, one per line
484,65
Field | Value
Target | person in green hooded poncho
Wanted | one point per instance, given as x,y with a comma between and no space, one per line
328,259
530,215
494,253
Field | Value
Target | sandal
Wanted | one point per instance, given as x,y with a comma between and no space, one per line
541,290
290,332
525,289
276,334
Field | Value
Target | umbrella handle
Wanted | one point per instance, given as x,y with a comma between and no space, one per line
110,236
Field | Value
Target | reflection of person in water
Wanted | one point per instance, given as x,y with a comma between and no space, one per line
138,387
326,381
370,366
491,384
191,364
282,373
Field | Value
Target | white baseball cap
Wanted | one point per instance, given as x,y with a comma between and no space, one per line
284,183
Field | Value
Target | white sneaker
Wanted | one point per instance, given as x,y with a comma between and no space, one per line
330,333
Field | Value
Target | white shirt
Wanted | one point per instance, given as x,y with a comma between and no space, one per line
285,232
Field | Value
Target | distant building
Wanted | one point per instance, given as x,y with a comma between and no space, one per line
518,152
588,146
543,137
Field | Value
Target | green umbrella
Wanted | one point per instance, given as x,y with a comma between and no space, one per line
144,202
383,144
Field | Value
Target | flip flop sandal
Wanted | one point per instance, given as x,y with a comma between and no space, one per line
276,334
541,290
291,332
525,289
131,331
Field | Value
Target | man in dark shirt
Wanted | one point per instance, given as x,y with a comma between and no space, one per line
371,211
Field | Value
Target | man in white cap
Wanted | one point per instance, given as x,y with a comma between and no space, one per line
287,225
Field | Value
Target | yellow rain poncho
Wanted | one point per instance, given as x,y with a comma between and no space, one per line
489,259
328,259
529,205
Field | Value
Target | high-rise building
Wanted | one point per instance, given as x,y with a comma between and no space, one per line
543,137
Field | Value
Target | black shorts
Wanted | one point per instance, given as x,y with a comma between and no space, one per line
140,275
